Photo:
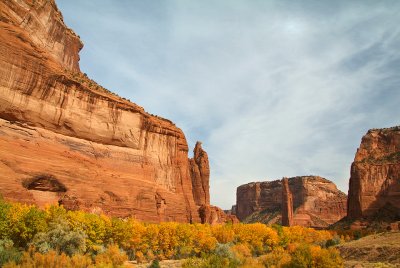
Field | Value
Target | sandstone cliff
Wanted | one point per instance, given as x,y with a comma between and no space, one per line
43,23
65,139
374,188
316,201
200,174
215,215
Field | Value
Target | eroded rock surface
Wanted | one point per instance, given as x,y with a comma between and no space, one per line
107,153
316,201
43,23
287,204
200,174
374,188
215,215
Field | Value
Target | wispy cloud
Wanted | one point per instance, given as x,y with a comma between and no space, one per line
272,88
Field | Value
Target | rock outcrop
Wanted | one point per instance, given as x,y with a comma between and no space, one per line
200,174
287,204
374,188
215,215
66,139
43,24
316,201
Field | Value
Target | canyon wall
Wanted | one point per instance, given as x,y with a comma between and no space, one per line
215,215
43,23
66,139
316,201
374,188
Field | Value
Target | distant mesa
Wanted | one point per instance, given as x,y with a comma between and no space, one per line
310,201
373,200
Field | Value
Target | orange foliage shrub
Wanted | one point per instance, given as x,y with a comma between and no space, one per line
223,233
259,237
112,256
279,245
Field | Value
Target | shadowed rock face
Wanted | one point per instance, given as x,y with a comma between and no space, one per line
316,201
44,183
375,175
215,215
109,154
257,196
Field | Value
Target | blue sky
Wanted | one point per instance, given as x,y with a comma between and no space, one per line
271,88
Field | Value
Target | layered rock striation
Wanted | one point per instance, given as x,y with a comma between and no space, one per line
65,139
316,202
43,23
374,188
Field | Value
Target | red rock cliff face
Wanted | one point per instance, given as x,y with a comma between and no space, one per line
287,204
375,175
57,127
256,196
316,201
215,215
200,174
43,22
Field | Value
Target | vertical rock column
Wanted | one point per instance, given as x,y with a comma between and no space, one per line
287,204
200,174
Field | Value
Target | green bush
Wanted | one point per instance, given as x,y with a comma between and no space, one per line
221,257
4,218
60,238
8,253
155,264
332,242
224,251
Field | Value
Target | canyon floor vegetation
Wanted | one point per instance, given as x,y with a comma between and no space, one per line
55,237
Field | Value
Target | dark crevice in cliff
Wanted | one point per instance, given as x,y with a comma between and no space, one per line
45,183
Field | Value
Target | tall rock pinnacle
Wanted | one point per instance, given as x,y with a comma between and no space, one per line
200,174
287,204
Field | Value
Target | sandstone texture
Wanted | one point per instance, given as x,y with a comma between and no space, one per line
200,174
65,139
215,215
374,188
287,204
43,23
316,201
